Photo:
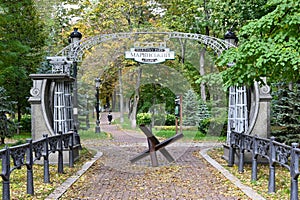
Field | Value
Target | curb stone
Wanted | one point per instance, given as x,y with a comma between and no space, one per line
247,190
58,192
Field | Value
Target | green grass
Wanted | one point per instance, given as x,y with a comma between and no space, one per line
189,135
90,134
22,136
17,139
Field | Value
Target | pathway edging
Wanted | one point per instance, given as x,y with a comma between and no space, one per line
58,192
247,190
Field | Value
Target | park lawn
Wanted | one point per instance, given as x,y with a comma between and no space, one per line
90,134
42,190
16,139
189,135
163,132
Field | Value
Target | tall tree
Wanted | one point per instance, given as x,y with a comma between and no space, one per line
7,127
190,109
21,46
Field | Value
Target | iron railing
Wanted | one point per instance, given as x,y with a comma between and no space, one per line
26,155
273,151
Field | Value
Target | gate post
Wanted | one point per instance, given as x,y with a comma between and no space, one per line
294,172
46,159
6,174
60,154
29,164
272,154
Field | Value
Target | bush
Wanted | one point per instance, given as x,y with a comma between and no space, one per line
25,123
203,125
160,120
287,135
143,118
213,124
170,120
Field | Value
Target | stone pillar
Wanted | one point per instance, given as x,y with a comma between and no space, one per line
262,126
42,108
39,121
42,104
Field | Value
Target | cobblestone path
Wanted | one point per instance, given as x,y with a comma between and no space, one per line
114,177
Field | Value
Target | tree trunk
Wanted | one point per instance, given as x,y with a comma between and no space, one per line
202,73
121,96
183,46
153,107
136,99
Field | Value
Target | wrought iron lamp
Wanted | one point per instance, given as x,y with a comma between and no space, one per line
74,39
97,83
231,38
75,36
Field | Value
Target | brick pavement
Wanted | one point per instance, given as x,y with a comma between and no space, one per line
112,176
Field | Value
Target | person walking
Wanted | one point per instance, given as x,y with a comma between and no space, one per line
109,117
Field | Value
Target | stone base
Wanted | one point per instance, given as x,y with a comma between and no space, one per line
53,157
247,156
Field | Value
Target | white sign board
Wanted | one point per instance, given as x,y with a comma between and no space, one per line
150,55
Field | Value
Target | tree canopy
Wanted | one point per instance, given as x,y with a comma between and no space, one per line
21,49
268,32
268,46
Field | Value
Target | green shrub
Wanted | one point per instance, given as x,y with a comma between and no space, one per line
143,118
213,124
203,125
170,120
25,123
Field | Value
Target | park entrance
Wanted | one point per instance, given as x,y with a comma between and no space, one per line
54,99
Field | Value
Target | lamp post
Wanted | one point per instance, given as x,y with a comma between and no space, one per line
237,108
178,112
231,41
231,38
87,121
97,83
74,39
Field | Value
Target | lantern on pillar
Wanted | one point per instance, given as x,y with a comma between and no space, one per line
74,39
231,38
75,36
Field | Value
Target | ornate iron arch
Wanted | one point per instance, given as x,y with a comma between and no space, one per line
75,51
